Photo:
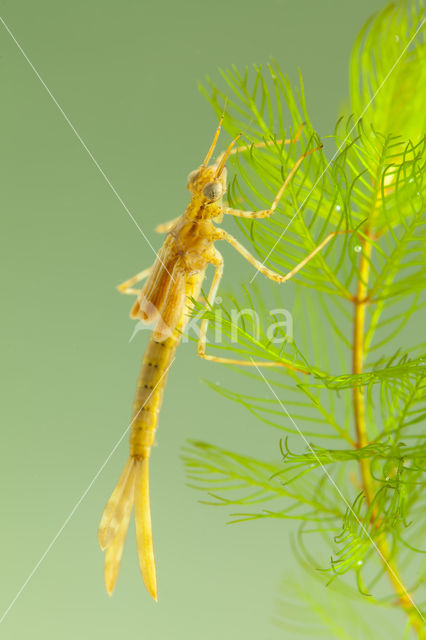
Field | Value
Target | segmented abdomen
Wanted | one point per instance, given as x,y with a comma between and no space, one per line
152,379
149,393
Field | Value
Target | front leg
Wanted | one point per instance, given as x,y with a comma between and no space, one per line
259,145
264,213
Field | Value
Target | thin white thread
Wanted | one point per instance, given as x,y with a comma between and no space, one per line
84,145
80,500
341,146
341,495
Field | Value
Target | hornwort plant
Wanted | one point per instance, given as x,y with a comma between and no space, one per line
352,459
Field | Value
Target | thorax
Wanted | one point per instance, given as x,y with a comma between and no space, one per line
193,238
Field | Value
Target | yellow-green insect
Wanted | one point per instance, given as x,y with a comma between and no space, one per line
172,281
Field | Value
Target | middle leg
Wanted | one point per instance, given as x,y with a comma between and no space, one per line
272,275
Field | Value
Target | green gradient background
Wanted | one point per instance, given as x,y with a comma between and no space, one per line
126,74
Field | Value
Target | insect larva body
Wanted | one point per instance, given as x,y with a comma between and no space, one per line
173,280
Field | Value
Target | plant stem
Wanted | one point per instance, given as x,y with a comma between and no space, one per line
404,598
358,361
360,302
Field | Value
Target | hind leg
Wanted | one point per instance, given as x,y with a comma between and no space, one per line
165,227
126,286
218,263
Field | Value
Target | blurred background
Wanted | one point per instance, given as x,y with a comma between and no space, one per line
125,74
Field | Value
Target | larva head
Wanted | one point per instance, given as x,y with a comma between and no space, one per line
208,183
204,184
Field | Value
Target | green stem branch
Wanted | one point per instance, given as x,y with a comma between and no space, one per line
360,302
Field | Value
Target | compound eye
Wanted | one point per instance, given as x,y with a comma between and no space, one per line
212,191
